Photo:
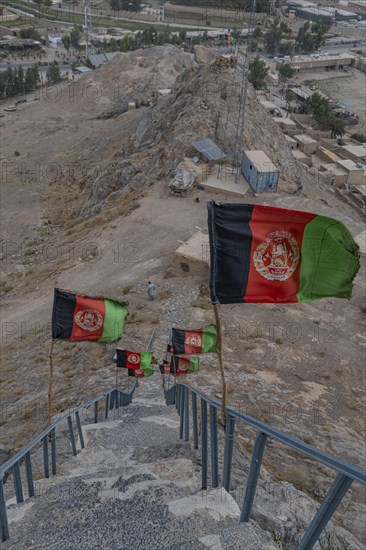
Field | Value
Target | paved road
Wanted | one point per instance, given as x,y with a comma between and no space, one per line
26,65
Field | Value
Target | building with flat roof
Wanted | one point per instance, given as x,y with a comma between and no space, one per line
291,142
358,7
306,143
355,174
285,123
312,62
334,174
260,171
326,155
339,14
301,157
314,13
354,152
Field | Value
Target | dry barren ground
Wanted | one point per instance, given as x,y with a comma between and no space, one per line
299,367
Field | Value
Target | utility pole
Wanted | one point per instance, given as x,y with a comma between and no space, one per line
87,25
243,95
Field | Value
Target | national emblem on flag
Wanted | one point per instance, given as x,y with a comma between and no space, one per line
184,365
135,360
87,318
203,340
267,254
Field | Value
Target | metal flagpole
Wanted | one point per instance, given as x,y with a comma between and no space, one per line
221,362
50,384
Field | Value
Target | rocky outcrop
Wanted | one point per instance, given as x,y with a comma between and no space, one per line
203,55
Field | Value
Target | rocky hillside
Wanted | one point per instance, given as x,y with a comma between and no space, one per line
86,206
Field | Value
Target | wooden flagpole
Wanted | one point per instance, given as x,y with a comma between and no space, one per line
50,384
117,376
221,362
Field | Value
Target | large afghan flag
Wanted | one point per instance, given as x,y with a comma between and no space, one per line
266,254
134,360
202,340
85,318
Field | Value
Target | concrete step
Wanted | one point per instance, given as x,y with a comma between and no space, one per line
134,486
131,510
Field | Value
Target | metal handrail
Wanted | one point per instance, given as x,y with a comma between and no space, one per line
347,473
115,398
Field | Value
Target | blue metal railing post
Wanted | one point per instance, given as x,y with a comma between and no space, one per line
71,434
177,398
327,508
111,402
29,474
204,442
46,467
255,466
17,483
174,394
96,412
3,515
194,420
181,411
214,451
53,451
106,406
228,452
186,414
80,431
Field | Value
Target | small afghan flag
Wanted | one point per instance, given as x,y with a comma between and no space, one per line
266,254
142,372
165,368
87,318
134,360
202,340
184,365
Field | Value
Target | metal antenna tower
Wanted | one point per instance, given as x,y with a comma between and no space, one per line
87,25
243,94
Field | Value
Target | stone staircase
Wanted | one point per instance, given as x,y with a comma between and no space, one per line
134,486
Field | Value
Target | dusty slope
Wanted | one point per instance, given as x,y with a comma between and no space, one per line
79,213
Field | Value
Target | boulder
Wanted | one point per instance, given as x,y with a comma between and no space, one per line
204,55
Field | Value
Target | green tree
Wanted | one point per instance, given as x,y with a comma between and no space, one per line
9,82
311,37
305,40
53,74
257,73
113,45
257,33
286,71
337,127
359,137
115,5
273,36
126,44
262,6
30,33
131,5
286,48
75,36
66,41
254,45
32,78
20,79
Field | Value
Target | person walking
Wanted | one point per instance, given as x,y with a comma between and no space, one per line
151,290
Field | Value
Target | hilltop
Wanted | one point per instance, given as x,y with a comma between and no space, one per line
86,206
